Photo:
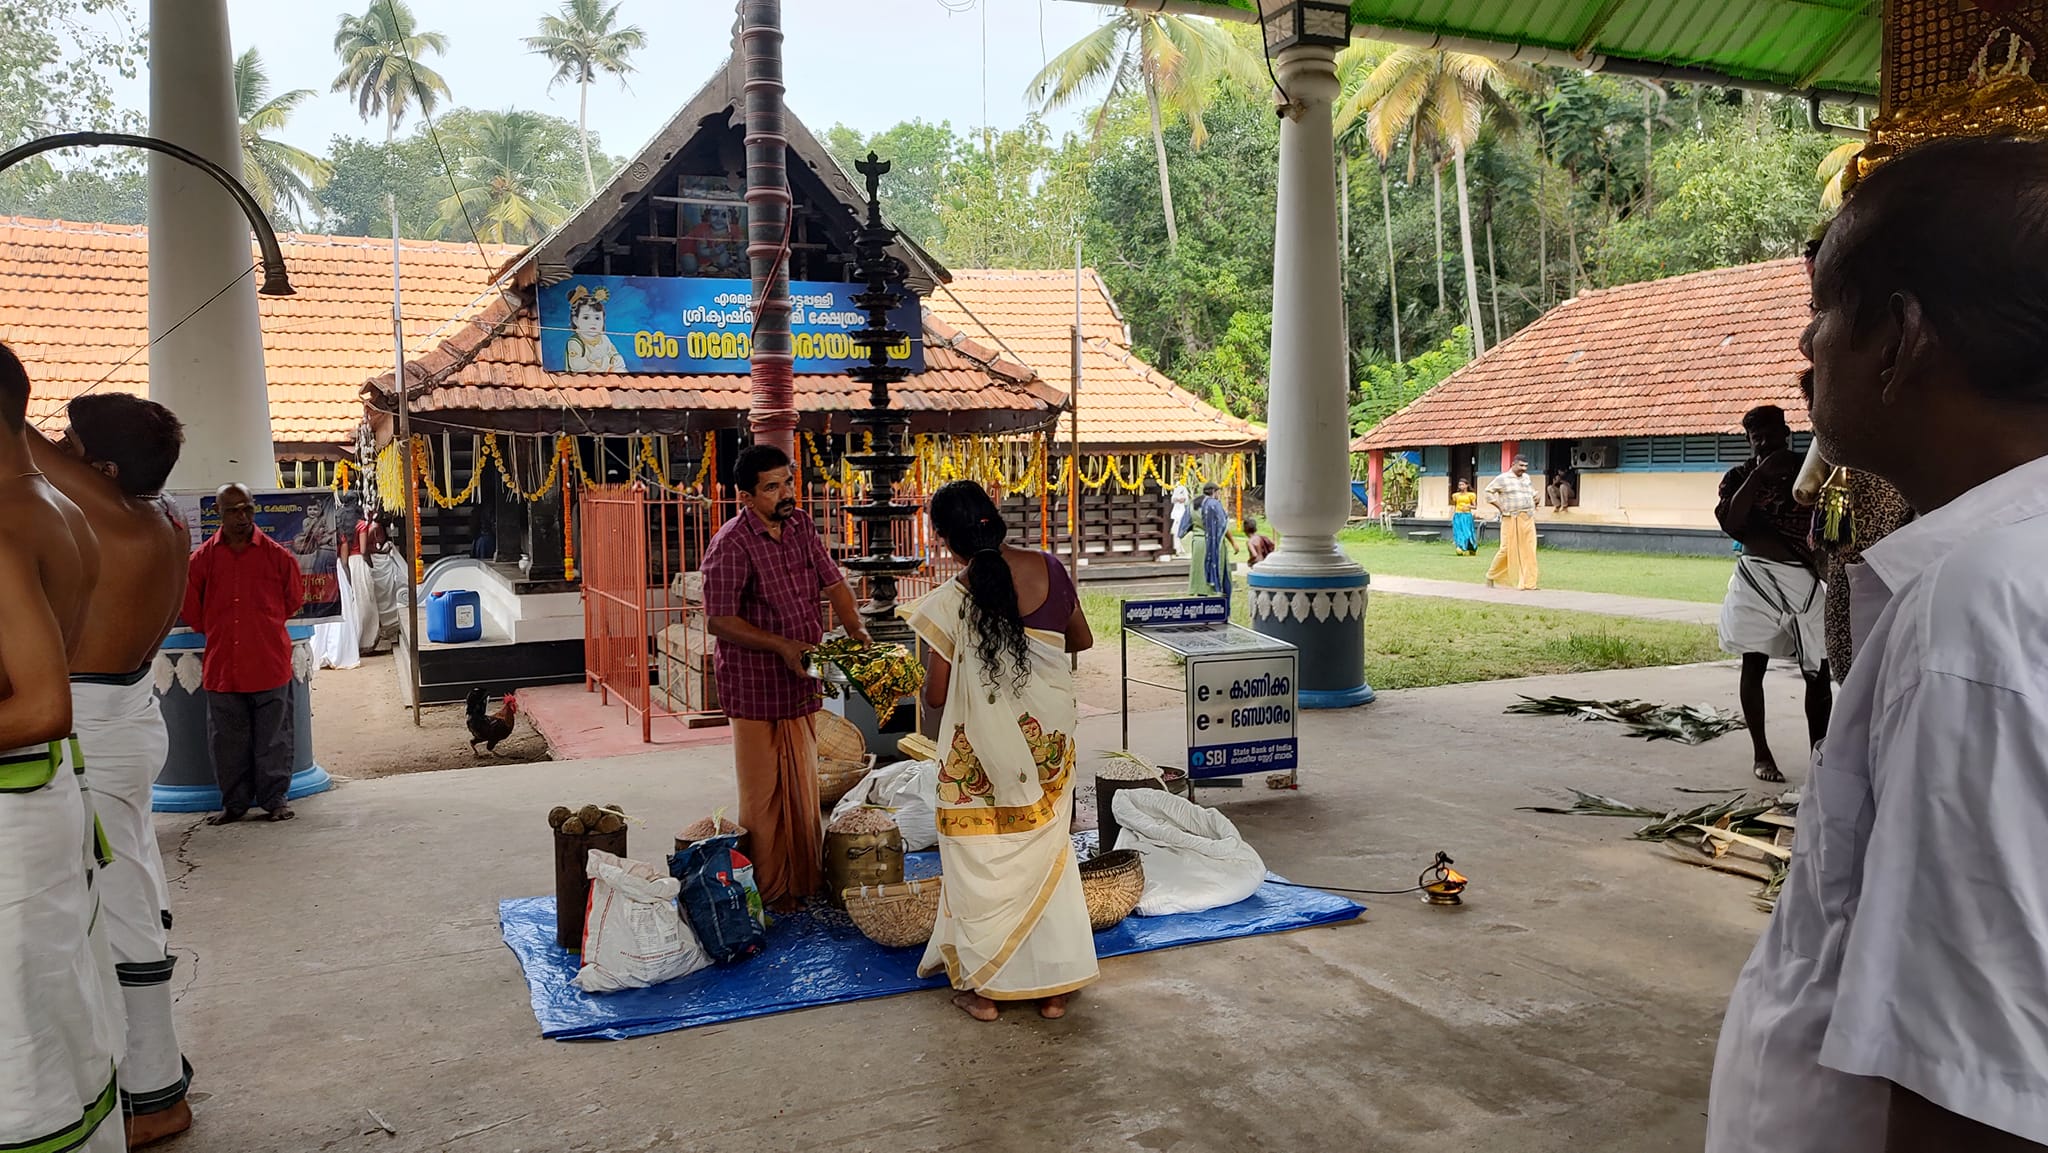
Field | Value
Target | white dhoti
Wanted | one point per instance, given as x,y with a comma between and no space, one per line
1776,609
60,1013
360,587
121,733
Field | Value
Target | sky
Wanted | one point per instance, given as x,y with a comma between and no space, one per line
865,63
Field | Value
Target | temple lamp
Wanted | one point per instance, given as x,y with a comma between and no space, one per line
1317,23
275,282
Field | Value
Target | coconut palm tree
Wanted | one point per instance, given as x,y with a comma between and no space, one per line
381,66
283,179
583,41
1176,61
510,182
1440,99
1354,64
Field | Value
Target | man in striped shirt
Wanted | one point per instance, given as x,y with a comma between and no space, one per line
1514,496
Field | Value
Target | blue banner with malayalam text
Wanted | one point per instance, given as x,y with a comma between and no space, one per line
696,326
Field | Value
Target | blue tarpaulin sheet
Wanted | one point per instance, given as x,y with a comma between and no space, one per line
818,957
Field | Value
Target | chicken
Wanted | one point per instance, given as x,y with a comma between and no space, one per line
486,728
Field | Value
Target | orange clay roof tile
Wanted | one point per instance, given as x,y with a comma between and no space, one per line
74,302
1676,357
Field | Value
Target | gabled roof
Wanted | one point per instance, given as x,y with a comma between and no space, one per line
491,364
720,99
1672,357
1124,403
74,305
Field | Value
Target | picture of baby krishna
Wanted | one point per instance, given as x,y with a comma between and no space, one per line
588,349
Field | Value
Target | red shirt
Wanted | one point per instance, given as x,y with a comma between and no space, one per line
774,585
241,601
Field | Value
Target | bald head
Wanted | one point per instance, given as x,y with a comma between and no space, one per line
237,510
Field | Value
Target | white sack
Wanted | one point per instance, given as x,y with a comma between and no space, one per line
633,936
910,789
1194,859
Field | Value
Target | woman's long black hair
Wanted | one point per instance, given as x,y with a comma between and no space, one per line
970,524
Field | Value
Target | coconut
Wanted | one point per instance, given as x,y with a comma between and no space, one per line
557,815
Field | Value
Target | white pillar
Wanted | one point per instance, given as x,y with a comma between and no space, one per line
1309,592
207,364
210,370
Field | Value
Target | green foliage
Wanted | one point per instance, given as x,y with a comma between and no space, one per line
57,64
383,66
282,178
921,157
1733,197
1385,389
519,173
362,171
1232,375
110,189
582,41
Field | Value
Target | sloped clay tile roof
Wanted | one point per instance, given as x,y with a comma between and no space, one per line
492,364
1683,356
74,302
1125,403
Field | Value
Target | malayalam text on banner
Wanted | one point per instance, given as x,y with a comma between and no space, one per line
700,326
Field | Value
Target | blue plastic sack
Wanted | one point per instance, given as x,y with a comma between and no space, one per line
714,900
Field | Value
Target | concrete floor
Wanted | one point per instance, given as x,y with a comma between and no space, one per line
350,962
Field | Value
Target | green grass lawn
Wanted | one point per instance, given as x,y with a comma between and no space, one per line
1678,578
1415,642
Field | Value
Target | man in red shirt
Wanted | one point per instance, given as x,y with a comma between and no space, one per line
764,572
244,587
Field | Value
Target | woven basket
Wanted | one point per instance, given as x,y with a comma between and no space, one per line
838,738
895,916
1112,884
838,778
843,757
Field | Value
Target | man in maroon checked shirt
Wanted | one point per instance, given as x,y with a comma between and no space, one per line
244,587
764,572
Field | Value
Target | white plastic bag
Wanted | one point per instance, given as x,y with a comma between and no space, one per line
1194,859
911,790
634,937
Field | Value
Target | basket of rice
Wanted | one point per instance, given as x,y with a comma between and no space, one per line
712,826
1112,882
895,916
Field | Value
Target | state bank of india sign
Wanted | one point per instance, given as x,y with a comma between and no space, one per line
689,326
1241,713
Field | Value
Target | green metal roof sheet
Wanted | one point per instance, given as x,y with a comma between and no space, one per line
1831,47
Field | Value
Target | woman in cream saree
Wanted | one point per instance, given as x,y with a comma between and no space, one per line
1013,924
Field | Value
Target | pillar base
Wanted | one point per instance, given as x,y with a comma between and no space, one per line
1322,616
206,798
186,782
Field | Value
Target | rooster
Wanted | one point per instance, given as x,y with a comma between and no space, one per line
486,728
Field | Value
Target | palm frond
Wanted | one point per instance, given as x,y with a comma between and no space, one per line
1079,68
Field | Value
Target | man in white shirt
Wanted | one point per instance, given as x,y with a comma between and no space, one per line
1899,999
1514,496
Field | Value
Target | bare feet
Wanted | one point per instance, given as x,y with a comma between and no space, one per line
977,1006
282,813
227,817
1767,770
1053,1008
149,1128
